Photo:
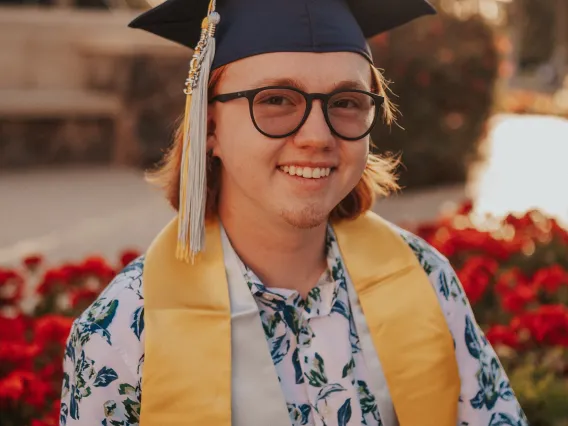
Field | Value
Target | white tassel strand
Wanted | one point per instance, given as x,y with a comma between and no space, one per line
193,185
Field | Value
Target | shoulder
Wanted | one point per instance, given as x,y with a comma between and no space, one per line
430,259
438,269
114,322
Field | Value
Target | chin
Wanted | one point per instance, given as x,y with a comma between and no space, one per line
306,218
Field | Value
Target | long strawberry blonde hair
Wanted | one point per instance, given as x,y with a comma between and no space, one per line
378,179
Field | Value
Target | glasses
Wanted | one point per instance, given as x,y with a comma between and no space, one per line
280,111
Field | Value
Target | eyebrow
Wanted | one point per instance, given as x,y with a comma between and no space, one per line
350,84
281,82
292,82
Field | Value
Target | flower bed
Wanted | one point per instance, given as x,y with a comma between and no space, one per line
32,340
516,276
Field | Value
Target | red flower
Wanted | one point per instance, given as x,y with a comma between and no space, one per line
548,325
550,279
97,267
51,371
520,223
128,256
12,386
25,386
33,262
82,298
53,280
12,329
427,231
71,272
465,208
509,280
52,418
453,241
43,422
18,355
475,276
516,300
11,286
558,231
37,392
502,335
52,329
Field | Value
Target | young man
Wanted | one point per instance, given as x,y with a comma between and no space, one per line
275,297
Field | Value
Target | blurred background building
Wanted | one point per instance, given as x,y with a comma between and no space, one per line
77,86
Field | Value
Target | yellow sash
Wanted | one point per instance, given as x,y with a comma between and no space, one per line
186,377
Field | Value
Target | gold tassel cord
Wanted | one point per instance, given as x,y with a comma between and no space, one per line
193,185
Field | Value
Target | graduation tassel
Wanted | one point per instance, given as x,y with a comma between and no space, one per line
193,184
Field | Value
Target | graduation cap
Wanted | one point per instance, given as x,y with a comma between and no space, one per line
224,31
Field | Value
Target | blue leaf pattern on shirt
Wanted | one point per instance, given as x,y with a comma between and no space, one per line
443,288
137,323
299,375
105,377
344,413
328,390
280,348
348,368
299,414
316,377
471,338
341,309
100,317
63,413
502,419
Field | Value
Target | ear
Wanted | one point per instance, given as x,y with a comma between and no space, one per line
212,141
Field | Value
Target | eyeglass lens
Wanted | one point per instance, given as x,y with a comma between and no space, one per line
278,112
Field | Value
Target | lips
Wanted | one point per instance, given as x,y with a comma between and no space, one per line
306,172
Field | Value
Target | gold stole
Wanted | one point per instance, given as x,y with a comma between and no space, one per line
186,376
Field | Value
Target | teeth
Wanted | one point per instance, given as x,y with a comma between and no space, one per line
306,172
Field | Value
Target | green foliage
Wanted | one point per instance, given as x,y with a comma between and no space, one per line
443,72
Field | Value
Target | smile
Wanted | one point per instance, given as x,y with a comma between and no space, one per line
306,172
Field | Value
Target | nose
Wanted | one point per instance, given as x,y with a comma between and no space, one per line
315,132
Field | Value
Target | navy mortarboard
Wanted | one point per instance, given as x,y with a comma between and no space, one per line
250,27
225,31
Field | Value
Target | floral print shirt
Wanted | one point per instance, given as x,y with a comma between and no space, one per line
313,343
315,349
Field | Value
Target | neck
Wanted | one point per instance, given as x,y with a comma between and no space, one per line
280,254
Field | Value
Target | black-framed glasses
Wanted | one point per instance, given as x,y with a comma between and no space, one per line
280,111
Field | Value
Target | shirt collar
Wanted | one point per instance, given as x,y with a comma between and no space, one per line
321,298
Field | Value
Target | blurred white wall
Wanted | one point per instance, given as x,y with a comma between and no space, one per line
45,48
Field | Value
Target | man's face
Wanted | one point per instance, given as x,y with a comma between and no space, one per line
256,172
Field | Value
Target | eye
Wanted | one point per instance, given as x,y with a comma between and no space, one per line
352,101
276,100
344,103
279,98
